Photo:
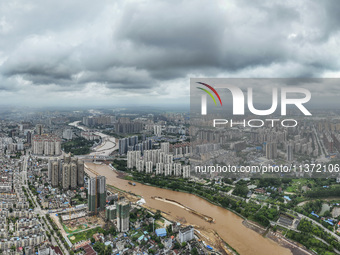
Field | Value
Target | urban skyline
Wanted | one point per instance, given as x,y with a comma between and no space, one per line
169,127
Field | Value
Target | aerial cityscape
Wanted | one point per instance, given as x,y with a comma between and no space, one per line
110,181
169,127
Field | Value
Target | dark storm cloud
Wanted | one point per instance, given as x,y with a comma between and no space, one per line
116,77
128,46
186,38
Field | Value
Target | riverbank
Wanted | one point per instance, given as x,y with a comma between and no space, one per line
227,224
107,146
209,236
295,248
125,176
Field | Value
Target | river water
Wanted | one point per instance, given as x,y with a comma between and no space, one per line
227,224
108,145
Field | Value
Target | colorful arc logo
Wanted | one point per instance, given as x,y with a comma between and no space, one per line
209,93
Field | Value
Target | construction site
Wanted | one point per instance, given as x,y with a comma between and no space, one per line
108,204
80,221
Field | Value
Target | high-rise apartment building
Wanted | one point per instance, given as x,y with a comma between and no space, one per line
98,120
80,173
128,127
125,143
73,174
66,176
67,134
46,144
289,152
157,129
97,194
271,150
39,129
53,172
186,172
68,171
29,137
123,216
186,234
165,147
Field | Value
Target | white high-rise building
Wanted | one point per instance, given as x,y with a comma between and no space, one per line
57,148
161,157
131,159
157,130
167,169
179,152
186,171
147,155
20,145
159,168
177,169
49,147
188,150
140,165
186,234
38,146
46,144
67,134
165,147
148,167
155,156
168,159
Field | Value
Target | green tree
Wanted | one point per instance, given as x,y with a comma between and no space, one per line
108,250
99,247
241,190
327,214
194,251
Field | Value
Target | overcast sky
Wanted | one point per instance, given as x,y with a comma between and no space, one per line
144,52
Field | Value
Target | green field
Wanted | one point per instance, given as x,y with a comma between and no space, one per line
84,235
79,228
296,184
261,197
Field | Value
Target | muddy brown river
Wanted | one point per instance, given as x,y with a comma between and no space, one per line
227,224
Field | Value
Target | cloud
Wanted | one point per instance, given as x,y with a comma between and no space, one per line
130,49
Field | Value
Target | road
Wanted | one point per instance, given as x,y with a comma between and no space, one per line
37,208
320,225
